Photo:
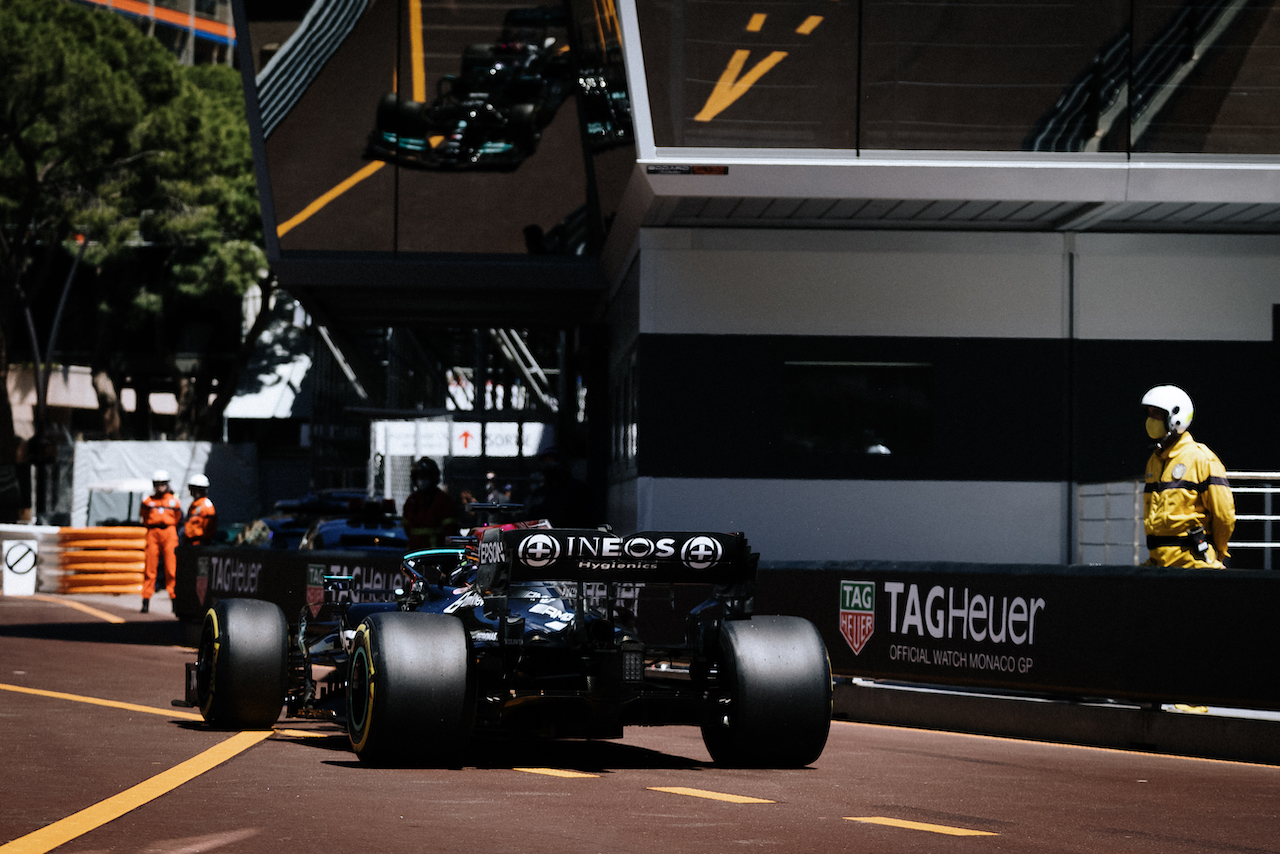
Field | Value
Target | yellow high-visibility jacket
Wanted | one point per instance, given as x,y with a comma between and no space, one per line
1187,486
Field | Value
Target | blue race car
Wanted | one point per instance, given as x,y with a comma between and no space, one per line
530,630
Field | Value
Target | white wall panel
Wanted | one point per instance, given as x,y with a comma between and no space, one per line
750,282
1127,287
865,520
1176,287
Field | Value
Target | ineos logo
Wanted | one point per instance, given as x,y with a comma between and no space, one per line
538,551
639,547
701,552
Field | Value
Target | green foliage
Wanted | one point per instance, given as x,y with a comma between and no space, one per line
103,132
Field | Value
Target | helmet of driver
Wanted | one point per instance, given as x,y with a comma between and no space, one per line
425,469
198,480
160,476
1176,404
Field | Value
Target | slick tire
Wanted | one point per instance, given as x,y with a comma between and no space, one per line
776,688
243,664
410,696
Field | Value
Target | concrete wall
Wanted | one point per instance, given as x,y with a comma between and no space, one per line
1096,290
817,520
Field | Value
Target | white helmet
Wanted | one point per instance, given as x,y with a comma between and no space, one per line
160,476
198,480
1176,404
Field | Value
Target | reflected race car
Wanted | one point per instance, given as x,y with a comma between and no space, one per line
491,115
528,631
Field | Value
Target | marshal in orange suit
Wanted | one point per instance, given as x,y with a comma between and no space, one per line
161,512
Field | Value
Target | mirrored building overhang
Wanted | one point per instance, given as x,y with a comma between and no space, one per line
470,160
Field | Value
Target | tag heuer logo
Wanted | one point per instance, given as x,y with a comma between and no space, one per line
857,612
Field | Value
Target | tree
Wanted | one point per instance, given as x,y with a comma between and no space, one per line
174,268
103,133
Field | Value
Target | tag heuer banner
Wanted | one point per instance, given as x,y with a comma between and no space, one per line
857,612
1095,631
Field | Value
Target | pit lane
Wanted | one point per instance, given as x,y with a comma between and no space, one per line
98,760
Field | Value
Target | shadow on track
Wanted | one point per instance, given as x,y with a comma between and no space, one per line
142,632
495,752
590,757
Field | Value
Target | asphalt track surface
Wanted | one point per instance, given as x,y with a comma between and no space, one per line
96,759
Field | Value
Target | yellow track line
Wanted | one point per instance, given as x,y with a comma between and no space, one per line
79,606
555,772
600,25
128,707
150,710
313,208
711,796
731,86
914,825
60,832
416,51
810,24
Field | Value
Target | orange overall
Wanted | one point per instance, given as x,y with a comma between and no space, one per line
160,516
202,522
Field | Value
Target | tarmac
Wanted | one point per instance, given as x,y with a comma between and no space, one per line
1244,735
1209,732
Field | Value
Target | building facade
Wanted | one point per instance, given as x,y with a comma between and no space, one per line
878,280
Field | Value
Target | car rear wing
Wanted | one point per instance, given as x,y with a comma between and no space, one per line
593,555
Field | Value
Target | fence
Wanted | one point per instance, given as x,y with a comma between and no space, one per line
1109,527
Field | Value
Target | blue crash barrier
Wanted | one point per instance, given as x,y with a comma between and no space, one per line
1127,633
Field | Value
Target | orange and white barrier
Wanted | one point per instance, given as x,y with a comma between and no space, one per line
101,559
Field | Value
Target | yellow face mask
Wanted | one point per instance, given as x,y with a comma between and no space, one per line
1155,428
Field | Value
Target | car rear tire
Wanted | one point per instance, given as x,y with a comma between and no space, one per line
242,664
410,698
776,688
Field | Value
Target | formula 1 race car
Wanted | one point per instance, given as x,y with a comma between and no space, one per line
492,114
529,630
489,116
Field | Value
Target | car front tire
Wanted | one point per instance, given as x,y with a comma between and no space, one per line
242,664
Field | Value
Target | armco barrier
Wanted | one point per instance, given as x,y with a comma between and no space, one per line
291,578
1125,633
101,559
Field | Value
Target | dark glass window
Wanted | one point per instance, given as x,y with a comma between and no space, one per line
1205,76
751,75
625,417
464,127
838,410
970,75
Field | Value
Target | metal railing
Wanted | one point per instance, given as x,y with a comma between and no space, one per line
1257,495
1109,521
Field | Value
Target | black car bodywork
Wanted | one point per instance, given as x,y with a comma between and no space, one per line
531,630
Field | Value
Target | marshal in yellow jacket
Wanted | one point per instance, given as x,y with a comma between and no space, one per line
1187,488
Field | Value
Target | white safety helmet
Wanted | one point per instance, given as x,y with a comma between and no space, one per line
199,480
1176,404
160,476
